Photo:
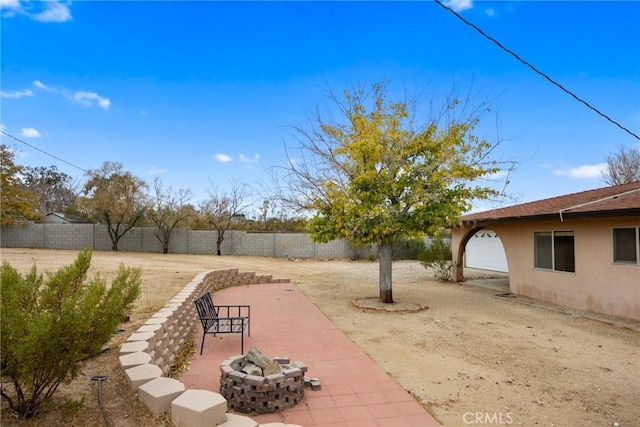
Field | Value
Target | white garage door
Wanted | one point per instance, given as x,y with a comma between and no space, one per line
484,251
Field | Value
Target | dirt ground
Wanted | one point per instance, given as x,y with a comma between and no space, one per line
472,358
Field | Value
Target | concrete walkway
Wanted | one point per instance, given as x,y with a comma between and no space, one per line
355,391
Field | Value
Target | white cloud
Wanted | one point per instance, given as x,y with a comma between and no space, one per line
582,172
42,86
30,133
16,93
87,98
499,175
156,170
53,12
223,158
459,5
41,11
245,159
82,97
490,12
10,4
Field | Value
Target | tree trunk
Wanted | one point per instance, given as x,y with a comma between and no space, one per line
113,234
165,241
384,261
219,241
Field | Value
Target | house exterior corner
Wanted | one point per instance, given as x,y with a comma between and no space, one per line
580,250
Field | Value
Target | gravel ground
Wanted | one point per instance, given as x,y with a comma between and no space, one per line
472,358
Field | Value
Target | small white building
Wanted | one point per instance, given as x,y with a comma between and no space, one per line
59,218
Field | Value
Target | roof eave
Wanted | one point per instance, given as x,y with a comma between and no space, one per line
557,216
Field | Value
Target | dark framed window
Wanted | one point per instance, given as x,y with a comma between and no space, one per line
626,245
554,250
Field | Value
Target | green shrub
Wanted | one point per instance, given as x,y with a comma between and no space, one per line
407,248
362,251
403,248
437,256
49,325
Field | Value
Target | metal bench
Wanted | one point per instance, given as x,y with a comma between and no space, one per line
223,319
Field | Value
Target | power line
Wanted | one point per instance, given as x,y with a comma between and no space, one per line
42,151
536,70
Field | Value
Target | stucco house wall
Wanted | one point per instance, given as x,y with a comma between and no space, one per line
598,284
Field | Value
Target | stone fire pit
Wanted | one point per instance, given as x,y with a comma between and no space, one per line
253,383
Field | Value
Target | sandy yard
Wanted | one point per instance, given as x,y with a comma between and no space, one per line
472,358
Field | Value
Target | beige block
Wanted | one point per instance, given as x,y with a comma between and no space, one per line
278,425
141,336
198,408
158,394
139,375
235,420
149,328
130,360
134,346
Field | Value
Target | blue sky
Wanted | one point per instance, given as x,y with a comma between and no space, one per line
206,91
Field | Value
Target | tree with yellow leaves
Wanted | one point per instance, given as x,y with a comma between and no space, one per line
17,203
376,177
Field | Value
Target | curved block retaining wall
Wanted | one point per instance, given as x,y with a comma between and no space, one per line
147,355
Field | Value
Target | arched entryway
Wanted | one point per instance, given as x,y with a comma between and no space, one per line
461,236
485,251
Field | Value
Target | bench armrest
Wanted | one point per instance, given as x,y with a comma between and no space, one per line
232,306
224,318
233,310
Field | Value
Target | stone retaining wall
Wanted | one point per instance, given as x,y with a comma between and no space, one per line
147,354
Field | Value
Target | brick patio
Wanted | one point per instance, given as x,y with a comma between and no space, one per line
354,390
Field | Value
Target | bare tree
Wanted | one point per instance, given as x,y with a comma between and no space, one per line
272,215
221,208
167,209
623,166
56,191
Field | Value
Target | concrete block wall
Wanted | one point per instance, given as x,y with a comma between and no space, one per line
179,241
334,249
23,235
256,244
57,235
182,241
147,354
293,245
201,242
286,245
